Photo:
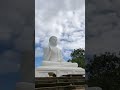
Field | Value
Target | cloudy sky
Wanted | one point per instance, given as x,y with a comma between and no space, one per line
16,19
13,28
62,18
103,26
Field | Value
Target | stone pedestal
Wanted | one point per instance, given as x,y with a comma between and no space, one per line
43,71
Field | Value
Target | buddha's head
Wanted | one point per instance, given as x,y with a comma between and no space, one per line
53,41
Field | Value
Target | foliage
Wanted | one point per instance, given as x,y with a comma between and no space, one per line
78,56
104,71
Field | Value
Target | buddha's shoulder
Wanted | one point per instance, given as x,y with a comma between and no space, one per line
46,48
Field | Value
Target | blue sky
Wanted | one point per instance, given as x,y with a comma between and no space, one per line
62,18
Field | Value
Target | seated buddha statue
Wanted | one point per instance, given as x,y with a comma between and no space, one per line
53,55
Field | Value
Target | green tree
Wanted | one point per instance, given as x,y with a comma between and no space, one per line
104,71
78,56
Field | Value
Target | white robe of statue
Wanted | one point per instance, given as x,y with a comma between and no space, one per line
53,55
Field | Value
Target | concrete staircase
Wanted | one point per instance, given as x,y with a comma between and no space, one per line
68,82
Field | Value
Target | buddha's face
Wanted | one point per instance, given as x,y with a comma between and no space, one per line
53,41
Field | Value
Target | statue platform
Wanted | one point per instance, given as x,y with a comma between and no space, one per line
43,71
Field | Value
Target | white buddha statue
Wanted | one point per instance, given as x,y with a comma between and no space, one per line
53,55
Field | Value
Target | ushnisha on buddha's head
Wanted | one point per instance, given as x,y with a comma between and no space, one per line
53,41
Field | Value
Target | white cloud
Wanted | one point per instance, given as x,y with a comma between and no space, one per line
62,18
66,54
